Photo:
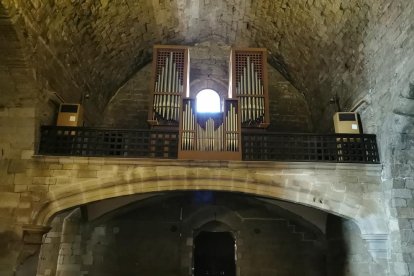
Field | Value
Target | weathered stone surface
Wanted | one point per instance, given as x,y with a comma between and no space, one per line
209,63
355,50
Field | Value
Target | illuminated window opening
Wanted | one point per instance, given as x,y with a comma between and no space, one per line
208,100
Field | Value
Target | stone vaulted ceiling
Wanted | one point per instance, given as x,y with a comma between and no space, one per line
94,46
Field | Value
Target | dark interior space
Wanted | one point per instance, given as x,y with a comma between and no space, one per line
214,254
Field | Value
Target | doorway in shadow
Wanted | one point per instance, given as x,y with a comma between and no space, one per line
214,254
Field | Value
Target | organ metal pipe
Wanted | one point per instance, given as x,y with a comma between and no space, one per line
257,83
263,107
171,72
159,105
233,117
173,108
162,86
236,129
165,76
163,105
245,109
192,127
177,82
173,78
211,134
183,126
168,107
177,108
187,121
249,108
249,78
157,83
168,75
244,81
253,84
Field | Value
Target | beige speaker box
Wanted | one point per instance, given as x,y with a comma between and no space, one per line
70,115
346,122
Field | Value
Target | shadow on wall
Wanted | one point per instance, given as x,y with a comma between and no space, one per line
10,246
339,69
10,241
322,47
29,267
337,249
347,252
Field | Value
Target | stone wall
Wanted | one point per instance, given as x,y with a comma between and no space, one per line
388,111
65,182
288,108
97,57
128,108
347,252
43,186
130,105
354,49
152,238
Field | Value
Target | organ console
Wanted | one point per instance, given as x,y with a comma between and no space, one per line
209,136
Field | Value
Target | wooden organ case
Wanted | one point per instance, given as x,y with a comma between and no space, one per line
209,136
170,84
249,84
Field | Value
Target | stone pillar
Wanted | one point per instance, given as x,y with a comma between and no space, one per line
69,261
50,248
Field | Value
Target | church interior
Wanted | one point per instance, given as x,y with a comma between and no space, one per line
113,163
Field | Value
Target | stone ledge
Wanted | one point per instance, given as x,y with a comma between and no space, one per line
319,166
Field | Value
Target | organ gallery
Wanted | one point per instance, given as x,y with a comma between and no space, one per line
109,168
216,135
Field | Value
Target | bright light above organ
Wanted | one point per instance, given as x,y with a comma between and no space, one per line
208,101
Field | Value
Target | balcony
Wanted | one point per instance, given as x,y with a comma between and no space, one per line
255,146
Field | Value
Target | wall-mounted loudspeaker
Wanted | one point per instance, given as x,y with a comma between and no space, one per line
346,122
70,115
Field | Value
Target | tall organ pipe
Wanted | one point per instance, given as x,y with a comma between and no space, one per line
162,79
173,78
249,79
244,80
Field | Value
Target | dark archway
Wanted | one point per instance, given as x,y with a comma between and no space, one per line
214,254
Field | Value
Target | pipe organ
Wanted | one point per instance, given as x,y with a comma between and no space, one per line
248,83
209,136
170,84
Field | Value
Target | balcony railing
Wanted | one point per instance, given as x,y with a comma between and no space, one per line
256,146
340,148
86,141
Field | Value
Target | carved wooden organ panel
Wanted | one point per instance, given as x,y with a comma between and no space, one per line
249,83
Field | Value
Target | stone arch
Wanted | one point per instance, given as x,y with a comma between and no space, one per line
215,84
300,189
202,220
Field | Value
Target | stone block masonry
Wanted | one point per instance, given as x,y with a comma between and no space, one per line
44,185
17,127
